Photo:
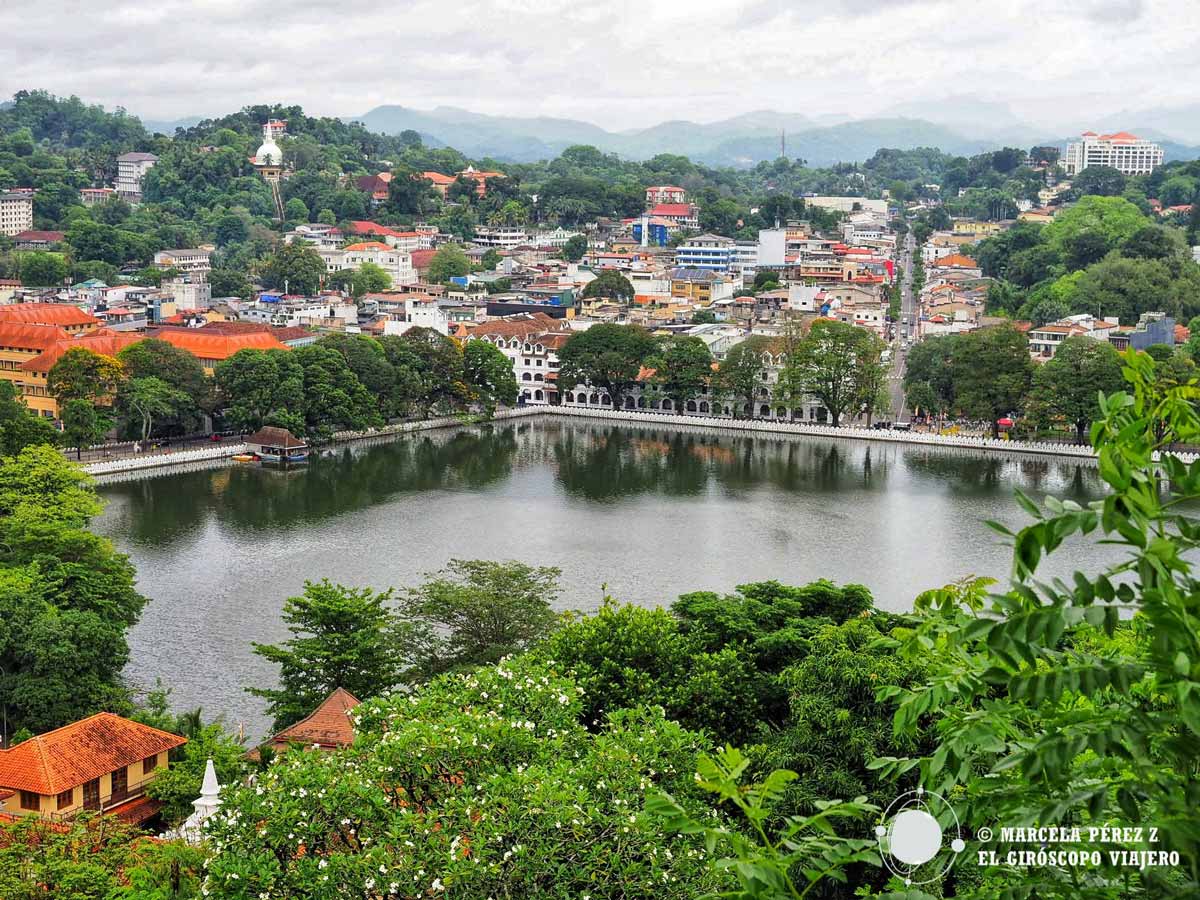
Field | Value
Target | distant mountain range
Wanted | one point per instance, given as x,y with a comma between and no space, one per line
958,125
962,125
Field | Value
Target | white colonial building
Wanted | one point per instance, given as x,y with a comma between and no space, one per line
16,212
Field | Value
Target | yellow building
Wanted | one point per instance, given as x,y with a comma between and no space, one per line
102,763
977,228
22,344
34,373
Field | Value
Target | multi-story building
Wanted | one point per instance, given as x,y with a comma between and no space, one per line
397,263
703,285
99,764
1125,152
531,342
665,193
707,251
192,261
684,216
849,204
501,237
131,169
16,212
323,237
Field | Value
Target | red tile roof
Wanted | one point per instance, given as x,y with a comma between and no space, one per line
207,345
20,336
438,177
367,245
670,209
74,754
328,725
51,237
422,258
63,314
108,343
955,260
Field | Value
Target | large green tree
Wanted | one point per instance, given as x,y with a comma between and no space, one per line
991,372
610,284
1068,386
682,370
82,374
607,357
334,398
296,268
838,364
67,597
474,612
262,387
740,374
448,262
342,637
489,375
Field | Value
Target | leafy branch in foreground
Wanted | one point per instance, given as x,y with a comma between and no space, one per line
1078,703
770,861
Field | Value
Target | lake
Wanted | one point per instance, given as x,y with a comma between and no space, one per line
645,513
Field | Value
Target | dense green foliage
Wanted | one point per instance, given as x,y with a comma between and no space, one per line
1050,707
67,596
94,858
479,785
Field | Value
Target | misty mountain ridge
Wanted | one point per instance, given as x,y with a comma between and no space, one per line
958,125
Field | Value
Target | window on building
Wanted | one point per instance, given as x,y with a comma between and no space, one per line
149,764
91,794
120,783
66,798
31,801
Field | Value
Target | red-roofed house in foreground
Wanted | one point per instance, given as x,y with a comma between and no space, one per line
101,763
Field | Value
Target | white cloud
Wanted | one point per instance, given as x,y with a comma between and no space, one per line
620,64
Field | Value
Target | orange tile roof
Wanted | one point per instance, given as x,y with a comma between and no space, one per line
74,754
367,245
63,314
955,260
438,177
107,344
328,725
217,346
30,337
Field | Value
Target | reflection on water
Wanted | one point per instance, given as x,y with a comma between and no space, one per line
650,512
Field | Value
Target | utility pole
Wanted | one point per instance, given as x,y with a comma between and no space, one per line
782,143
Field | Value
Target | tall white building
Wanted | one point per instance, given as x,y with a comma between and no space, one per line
16,212
131,169
1125,152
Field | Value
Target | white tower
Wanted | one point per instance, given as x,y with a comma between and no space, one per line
204,806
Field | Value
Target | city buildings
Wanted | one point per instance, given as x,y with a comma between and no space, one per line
131,169
501,237
16,212
1125,152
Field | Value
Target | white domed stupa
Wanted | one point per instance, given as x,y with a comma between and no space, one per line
269,158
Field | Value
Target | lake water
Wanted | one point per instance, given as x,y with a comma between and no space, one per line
650,512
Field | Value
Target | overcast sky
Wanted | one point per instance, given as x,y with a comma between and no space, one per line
617,63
